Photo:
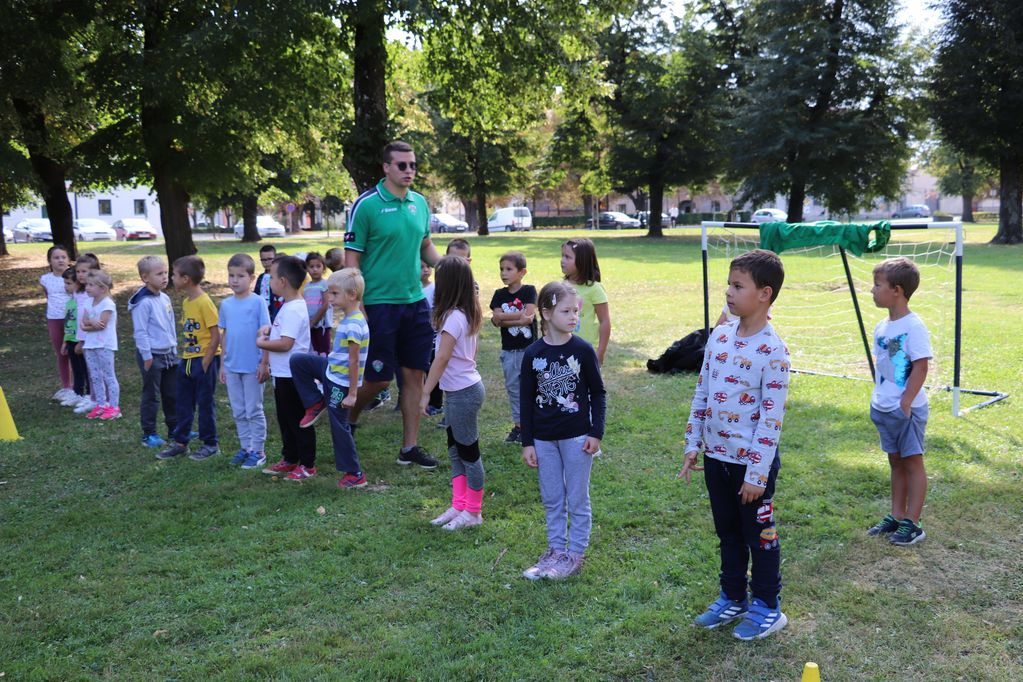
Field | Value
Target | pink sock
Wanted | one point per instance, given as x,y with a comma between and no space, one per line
459,486
473,500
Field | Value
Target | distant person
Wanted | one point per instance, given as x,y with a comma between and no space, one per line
156,349
267,253
314,294
673,215
579,264
513,311
388,234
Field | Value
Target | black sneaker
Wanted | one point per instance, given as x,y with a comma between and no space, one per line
204,452
175,449
885,526
908,534
514,436
417,455
381,398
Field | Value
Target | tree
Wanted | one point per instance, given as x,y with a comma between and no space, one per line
960,175
976,95
824,106
665,110
16,181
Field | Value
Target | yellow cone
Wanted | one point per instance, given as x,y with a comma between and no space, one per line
811,673
8,431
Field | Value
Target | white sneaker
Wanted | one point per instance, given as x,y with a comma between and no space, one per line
463,520
71,400
84,405
448,515
61,394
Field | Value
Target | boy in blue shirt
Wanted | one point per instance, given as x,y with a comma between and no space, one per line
243,369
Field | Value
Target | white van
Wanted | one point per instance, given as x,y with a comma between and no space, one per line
510,219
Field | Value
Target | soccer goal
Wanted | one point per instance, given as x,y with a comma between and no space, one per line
826,313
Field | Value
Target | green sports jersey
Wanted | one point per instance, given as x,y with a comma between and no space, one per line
389,233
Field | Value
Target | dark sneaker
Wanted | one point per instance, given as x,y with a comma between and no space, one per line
312,415
381,398
885,526
432,411
760,621
204,452
514,436
174,450
722,611
908,534
417,455
352,481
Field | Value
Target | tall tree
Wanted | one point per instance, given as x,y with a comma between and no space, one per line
977,95
960,175
825,108
16,181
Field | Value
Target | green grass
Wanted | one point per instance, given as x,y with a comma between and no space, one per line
116,565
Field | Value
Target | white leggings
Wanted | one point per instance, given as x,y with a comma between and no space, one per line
105,389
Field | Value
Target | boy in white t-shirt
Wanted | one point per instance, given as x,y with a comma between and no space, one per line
898,405
287,335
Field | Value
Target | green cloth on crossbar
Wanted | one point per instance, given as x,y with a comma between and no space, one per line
853,237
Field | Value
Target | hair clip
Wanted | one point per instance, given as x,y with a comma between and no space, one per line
554,299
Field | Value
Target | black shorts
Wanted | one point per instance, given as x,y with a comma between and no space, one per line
400,335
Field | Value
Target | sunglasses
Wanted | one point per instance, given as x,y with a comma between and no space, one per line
402,165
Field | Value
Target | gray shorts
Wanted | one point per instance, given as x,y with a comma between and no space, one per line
900,434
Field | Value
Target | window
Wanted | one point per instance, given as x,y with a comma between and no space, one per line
621,208
140,207
44,214
715,206
104,207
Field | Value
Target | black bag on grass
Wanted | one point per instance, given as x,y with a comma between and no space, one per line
685,355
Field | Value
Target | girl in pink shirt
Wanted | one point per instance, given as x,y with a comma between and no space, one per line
457,317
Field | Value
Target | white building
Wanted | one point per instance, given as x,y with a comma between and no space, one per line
121,202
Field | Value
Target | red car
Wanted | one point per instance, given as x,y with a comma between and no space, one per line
764,349
766,441
775,384
731,379
741,344
721,396
768,403
747,399
721,357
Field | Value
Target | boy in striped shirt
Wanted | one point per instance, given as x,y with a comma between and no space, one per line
340,373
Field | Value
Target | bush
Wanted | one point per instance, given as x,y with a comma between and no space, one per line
563,221
985,216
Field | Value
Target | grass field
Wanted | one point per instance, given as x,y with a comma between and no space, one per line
117,566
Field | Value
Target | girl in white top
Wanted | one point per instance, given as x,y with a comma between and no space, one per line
99,328
457,317
56,299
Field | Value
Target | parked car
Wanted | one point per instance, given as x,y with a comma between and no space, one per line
32,230
210,226
93,229
644,218
511,219
266,226
913,211
770,215
8,234
445,222
134,228
614,220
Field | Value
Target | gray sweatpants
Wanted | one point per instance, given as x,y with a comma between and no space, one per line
246,396
105,389
564,472
460,410
511,363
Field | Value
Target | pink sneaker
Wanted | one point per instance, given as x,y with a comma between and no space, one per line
111,413
281,467
300,473
352,481
96,412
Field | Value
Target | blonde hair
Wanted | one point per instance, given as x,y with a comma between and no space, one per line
101,278
146,264
348,279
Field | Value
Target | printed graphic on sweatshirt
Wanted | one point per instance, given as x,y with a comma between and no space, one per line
895,347
516,306
556,383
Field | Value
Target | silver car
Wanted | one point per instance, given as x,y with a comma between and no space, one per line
93,229
32,230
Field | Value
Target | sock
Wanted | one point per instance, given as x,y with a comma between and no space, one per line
473,500
459,487
407,450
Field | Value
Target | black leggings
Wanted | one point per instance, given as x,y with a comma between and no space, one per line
78,369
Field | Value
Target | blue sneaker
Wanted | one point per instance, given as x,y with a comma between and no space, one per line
240,456
192,435
760,621
908,533
153,441
722,611
254,460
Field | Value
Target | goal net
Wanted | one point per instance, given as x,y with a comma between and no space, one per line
826,313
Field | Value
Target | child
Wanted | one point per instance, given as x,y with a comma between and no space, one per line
241,317
457,318
424,280
334,258
197,374
898,405
99,322
289,334
56,298
436,405
579,263
267,254
156,349
459,247
514,312
84,266
562,408
745,371
313,293
71,349
340,373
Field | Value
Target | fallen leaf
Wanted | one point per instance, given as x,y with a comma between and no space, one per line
160,633
321,511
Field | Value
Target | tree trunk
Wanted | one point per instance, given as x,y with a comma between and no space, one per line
469,206
797,195
1010,212
656,229
249,209
366,138
968,208
588,208
173,200
3,241
481,208
51,173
